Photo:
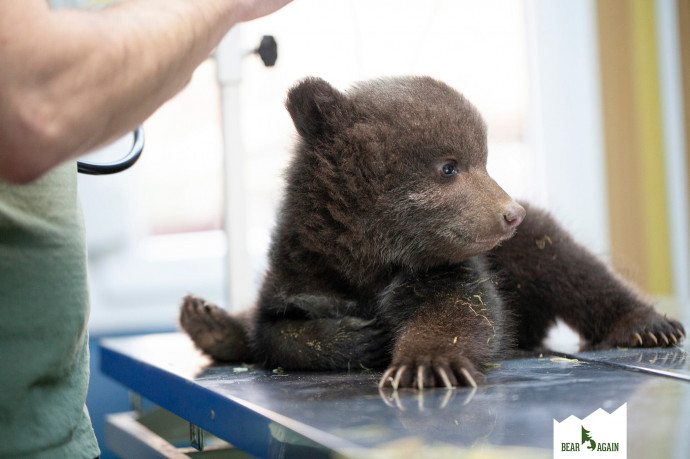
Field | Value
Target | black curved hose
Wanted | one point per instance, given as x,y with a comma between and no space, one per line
119,166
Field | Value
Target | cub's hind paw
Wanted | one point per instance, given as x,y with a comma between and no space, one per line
213,330
431,372
645,330
199,317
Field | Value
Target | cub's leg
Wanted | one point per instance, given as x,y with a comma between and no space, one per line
215,332
321,344
448,325
545,274
317,332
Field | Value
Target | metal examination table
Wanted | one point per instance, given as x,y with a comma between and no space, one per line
287,414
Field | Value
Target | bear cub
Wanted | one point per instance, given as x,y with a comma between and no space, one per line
395,249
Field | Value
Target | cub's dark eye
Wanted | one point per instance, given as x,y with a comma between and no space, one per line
449,169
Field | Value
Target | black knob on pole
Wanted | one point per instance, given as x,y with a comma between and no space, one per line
268,50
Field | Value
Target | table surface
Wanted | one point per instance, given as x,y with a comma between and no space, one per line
272,413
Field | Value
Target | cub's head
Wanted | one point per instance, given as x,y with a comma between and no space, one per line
393,171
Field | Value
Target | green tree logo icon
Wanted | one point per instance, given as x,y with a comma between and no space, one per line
587,438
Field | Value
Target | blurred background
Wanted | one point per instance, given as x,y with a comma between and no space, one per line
584,102
588,108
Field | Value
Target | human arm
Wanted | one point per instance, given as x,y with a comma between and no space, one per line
72,80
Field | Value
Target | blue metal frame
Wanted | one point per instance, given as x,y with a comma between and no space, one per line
231,421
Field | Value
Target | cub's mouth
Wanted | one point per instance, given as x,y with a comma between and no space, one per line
480,241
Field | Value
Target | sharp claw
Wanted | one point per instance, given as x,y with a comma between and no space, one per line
663,335
673,337
420,377
651,335
396,382
444,377
680,332
468,377
386,377
638,338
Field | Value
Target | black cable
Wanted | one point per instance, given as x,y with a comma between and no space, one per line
118,166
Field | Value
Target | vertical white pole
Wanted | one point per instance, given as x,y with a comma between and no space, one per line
229,60
674,144
671,89
566,115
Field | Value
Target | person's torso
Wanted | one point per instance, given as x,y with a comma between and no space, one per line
43,318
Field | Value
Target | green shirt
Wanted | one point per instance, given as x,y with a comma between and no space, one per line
44,355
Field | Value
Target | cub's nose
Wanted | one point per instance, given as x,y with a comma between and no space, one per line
513,216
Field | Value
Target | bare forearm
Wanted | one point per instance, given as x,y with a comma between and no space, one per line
73,80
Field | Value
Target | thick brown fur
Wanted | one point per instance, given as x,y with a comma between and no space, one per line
394,248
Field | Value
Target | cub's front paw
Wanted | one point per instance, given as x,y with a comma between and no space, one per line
645,328
428,371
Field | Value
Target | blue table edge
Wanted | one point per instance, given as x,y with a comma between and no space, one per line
241,423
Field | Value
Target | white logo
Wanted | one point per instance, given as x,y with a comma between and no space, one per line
599,435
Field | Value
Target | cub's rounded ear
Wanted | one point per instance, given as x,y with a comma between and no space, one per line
316,108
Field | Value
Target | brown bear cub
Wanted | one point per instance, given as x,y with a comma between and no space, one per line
394,248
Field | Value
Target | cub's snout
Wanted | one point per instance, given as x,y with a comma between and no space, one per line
513,214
